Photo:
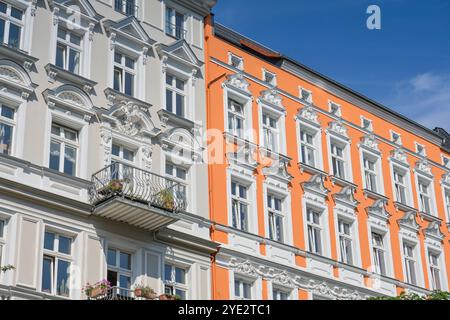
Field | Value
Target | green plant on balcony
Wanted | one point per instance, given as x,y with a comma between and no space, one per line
144,291
114,187
98,289
166,199
169,297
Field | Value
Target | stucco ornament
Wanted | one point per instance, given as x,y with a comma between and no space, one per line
129,122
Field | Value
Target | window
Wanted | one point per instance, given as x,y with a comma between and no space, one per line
180,175
235,61
366,124
338,160
424,197
306,95
396,138
242,289
127,7
378,252
410,263
56,264
239,206
275,214
335,109
124,74
446,162
420,149
11,25
447,203
345,241
63,149
7,124
236,118
270,132
119,268
122,159
2,240
175,95
175,281
314,231
435,270
278,294
270,78
308,149
370,173
175,25
400,187
68,50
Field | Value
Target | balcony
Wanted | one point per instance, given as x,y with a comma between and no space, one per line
117,293
139,198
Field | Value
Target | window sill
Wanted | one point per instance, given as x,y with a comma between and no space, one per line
429,217
274,155
374,195
114,97
310,169
168,117
55,72
231,138
19,56
403,207
342,182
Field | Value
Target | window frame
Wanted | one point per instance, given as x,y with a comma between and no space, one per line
68,47
335,106
9,19
402,170
278,143
375,248
370,124
11,123
125,7
408,277
309,92
117,268
242,281
125,70
3,235
231,57
171,27
374,157
246,101
316,133
266,73
63,144
172,283
342,236
344,159
273,214
240,201
313,226
431,195
184,183
435,267
175,92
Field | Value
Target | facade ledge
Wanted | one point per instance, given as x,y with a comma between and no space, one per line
114,97
310,169
428,217
342,182
55,72
168,117
403,207
231,138
19,56
369,194
187,241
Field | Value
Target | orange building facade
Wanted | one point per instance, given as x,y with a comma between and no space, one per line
315,191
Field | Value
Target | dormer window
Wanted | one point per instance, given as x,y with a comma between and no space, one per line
420,149
396,138
270,78
127,7
175,25
366,124
306,95
68,50
235,61
335,109
11,25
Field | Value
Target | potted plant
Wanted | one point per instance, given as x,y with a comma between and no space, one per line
166,199
113,187
98,289
169,297
143,291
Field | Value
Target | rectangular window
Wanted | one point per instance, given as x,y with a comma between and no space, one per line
119,268
270,132
410,263
307,148
236,118
7,125
127,7
11,25
335,109
370,174
435,270
175,25
122,161
56,264
175,95
63,149
338,160
124,74
378,251
180,175
424,197
306,95
276,217
314,231
278,294
2,240
400,187
68,50
447,203
175,279
345,242
239,206
242,289
270,78
235,61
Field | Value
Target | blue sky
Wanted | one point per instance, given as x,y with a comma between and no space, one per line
405,65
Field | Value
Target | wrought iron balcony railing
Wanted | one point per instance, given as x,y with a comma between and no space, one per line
116,293
131,183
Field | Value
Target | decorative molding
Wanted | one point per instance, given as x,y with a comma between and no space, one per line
338,128
399,155
346,196
238,82
112,40
164,60
278,169
147,152
55,15
106,144
194,76
378,210
316,184
433,230
423,166
91,31
272,97
408,221
369,142
145,55
33,7
309,114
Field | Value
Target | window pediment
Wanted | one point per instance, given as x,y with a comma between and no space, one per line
346,196
423,166
273,98
338,128
433,230
86,9
238,82
129,27
369,142
408,221
71,98
309,115
180,51
316,184
446,179
378,210
16,78
399,155
278,169
179,139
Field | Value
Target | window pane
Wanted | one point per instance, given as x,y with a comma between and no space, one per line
7,112
128,154
124,282
70,135
181,293
236,288
64,245
129,63
117,79
60,55
117,57
75,39
180,275
49,241
47,266
2,228
62,281
3,7
125,261
112,278
169,102
180,105
2,30
14,36
70,159
55,149
62,34
16,13
167,272
180,84
111,257
6,133
129,84
74,61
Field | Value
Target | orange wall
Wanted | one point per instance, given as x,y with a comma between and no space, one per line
216,75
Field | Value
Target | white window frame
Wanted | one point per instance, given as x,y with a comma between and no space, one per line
3,231
440,266
368,127
335,106
55,255
172,284
420,149
178,164
11,20
382,229
124,69
70,46
445,161
446,197
309,92
420,179
279,131
246,101
378,248
255,286
174,92
407,183
240,201
413,259
378,170
315,227
124,8
396,137
9,122
280,289
63,142
117,268
266,73
346,158
416,256
342,236
316,132
172,23
232,58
